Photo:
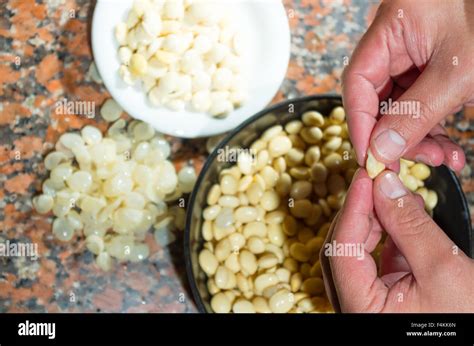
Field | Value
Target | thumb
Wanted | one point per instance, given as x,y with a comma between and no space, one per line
407,120
415,234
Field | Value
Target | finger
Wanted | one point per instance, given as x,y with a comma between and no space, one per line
419,199
327,272
392,260
428,151
438,130
375,234
362,82
420,108
415,234
454,156
406,79
355,274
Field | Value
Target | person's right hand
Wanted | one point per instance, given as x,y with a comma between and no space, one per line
421,270
416,51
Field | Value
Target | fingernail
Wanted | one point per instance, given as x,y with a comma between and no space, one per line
391,186
389,145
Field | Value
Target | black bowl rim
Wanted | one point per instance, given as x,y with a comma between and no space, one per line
187,250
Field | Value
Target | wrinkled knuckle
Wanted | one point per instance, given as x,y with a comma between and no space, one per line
426,108
413,221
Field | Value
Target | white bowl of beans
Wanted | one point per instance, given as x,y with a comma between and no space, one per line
191,68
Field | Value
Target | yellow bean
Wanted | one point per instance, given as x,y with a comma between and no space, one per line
293,127
267,261
313,286
305,234
283,185
245,214
305,269
232,263
220,303
299,252
301,189
243,306
254,193
333,162
291,264
320,189
331,131
224,278
373,166
275,217
256,245
300,173
296,281
316,269
282,301
270,176
431,200
229,185
213,194
263,281
302,208
337,115
289,225
313,118
283,275
208,262
210,213
237,241
279,164
420,171
212,288
312,155
297,142
260,305
223,249
271,133
336,184
248,262
409,181
256,228
270,200
276,234
279,146
314,244
332,144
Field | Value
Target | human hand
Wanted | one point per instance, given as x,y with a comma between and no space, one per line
421,269
419,54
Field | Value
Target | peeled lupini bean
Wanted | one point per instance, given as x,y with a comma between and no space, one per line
115,196
183,54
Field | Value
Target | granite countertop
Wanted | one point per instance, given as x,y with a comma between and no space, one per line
45,57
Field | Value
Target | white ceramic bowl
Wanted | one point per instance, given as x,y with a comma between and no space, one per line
265,29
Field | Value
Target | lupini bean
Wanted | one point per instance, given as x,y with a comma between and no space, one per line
243,306
282,301
208,262
220,303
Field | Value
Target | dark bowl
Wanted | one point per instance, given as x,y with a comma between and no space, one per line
451,212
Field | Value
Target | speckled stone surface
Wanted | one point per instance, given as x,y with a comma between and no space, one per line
45,56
